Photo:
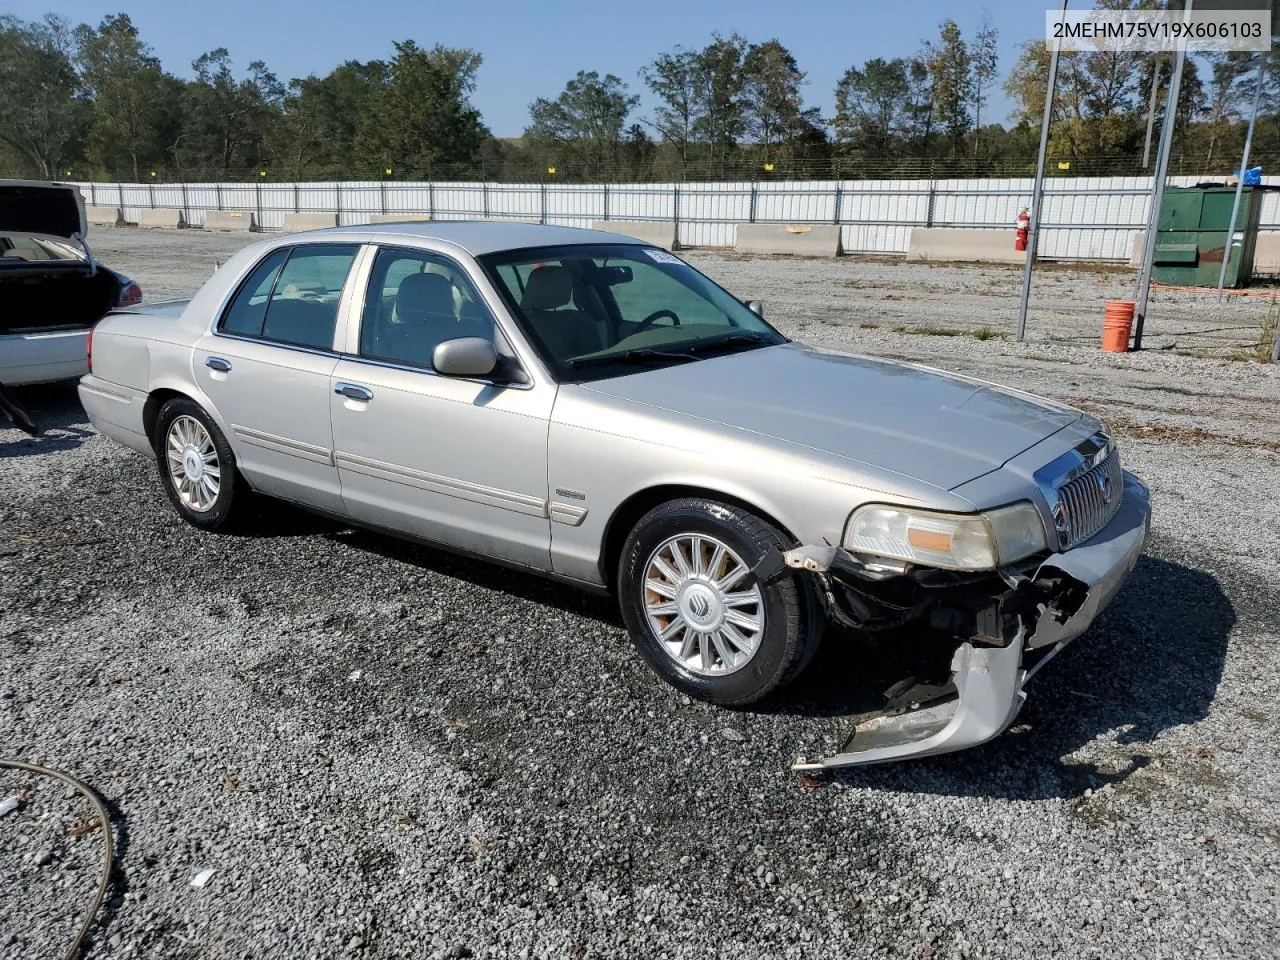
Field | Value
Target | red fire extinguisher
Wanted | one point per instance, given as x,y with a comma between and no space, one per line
1020,235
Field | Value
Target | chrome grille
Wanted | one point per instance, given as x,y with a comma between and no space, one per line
1086,503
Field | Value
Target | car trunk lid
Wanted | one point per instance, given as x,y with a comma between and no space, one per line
46,209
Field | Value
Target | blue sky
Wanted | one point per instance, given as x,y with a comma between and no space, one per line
530,49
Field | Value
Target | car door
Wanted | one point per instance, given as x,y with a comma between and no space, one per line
267,367
459,461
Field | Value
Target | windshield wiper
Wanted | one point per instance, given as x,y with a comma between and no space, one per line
743,338
638,355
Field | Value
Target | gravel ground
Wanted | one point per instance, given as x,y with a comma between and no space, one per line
380,750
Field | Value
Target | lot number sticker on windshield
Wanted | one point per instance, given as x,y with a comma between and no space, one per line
661,256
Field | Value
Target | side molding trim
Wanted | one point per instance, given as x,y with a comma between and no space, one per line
450,487
295,448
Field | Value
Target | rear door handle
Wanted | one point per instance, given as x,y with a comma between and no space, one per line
353,392
217,363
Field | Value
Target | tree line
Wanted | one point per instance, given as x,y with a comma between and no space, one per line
94,102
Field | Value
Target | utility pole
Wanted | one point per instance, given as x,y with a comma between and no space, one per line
1143,291
1151,111
1037,192
1244,165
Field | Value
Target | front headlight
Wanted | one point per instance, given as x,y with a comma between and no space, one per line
952,541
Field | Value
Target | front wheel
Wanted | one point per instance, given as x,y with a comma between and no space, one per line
197,466
696,612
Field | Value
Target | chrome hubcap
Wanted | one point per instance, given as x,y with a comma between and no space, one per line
696,606
194,470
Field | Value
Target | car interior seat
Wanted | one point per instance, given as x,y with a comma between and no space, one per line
566,332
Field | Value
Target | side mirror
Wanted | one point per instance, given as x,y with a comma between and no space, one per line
465,357
756,307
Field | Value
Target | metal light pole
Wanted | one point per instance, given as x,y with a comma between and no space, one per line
1143,290
1151,112
1244,165
1037,192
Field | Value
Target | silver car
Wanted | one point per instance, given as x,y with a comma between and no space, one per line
52,289
592,408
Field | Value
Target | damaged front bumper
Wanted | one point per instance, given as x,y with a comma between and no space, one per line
1014,637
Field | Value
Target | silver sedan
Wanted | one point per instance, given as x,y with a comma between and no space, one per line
592,408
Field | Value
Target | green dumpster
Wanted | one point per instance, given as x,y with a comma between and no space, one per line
1192,235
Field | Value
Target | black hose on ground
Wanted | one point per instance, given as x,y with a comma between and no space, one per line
73,950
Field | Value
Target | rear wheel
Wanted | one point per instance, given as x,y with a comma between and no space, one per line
197,466
696,612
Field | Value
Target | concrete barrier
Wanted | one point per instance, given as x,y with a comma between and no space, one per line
168,219
957,245
102,216
234,221
661,233
297,222
1135,250
797,239
398,217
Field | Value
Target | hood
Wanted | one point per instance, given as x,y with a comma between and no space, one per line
926,424
48,209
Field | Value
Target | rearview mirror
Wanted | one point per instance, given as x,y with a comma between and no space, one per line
465,357
756,307
616,275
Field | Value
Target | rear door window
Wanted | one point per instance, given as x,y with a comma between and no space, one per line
292,296
303,308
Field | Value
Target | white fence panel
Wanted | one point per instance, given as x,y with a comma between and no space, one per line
574,205
458,201
877,216
1083,217
518,201
642,201
708,213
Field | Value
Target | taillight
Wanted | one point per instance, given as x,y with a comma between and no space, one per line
89,349
131,295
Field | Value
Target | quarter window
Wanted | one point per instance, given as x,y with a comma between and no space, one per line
249,308
417,300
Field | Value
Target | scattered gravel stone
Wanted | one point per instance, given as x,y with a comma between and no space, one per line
199,683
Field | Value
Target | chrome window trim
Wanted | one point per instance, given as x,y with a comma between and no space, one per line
278,343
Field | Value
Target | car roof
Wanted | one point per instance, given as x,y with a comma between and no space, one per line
479,237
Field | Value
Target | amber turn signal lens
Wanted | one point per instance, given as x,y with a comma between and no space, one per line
929,540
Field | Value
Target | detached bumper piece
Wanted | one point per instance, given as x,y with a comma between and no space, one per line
999,642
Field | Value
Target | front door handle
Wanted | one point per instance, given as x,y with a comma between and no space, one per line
217,363
353,392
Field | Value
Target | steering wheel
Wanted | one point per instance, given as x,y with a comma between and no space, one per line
647,322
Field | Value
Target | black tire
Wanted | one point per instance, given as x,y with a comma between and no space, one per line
227,506
793,621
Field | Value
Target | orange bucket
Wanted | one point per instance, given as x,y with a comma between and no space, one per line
1117,322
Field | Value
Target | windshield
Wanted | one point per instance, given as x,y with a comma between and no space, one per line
603,310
